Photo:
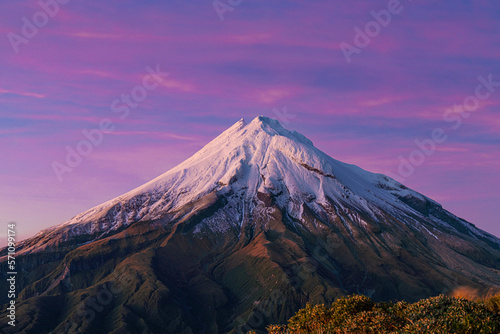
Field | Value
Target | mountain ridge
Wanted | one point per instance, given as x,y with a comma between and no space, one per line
245,217
156,188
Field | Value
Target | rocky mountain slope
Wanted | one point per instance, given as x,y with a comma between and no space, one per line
240,235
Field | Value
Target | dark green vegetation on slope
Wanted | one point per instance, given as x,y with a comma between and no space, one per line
162,277
359,314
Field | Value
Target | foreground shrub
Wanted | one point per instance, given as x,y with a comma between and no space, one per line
493,303
359,314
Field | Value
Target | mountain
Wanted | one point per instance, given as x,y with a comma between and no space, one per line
242,234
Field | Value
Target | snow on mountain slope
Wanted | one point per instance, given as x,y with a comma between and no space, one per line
251,158
257,213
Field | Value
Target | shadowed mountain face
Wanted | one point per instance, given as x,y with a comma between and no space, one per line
244,233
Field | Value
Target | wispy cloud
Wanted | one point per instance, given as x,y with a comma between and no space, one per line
178,85
84,34
154,134
28,94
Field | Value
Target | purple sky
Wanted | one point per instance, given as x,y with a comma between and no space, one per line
264,55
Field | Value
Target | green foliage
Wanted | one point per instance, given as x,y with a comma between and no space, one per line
360,315
493,303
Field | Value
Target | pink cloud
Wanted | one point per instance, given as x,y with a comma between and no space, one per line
28,94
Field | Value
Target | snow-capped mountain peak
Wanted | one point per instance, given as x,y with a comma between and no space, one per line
248,159
254,212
